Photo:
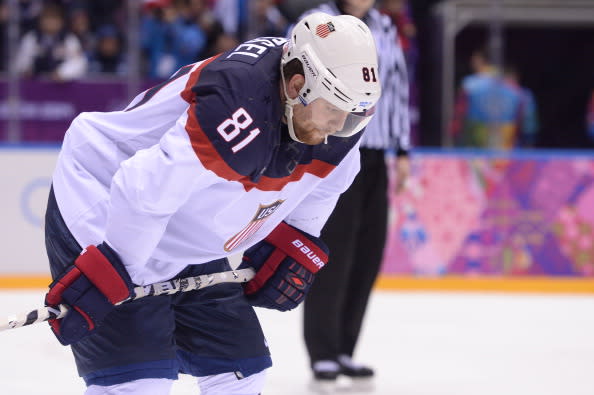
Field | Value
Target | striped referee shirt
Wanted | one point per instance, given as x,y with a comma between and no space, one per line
390,127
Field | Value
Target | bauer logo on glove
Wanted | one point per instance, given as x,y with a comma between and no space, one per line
309,253
286,262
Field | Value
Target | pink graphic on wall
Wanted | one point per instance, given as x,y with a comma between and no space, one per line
431,219
488,215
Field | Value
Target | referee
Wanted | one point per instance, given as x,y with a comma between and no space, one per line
356,230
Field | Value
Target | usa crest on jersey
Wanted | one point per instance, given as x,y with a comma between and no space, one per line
262,214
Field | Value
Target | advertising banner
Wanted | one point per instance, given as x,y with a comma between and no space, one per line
25,177
516,214
46,108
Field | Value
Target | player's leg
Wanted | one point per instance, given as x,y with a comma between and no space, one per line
325,302
142,386
134,342
62,248
370,246
219,337
227,383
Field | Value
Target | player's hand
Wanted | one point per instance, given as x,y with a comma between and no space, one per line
285,262
90,288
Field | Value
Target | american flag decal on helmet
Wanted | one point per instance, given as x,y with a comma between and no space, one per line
324,29
262,214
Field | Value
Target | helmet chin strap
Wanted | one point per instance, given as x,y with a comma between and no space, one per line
289,103
289,115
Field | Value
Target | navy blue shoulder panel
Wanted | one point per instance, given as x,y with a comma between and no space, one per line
238,105
289,154
336,149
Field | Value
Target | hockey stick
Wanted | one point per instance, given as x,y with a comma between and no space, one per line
164,288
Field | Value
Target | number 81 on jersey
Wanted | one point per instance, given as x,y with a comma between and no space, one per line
231,128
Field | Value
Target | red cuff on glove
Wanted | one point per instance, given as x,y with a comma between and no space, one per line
288,242
102,274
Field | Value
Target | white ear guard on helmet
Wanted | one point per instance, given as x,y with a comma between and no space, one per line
339,60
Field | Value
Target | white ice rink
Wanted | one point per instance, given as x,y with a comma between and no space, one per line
419,343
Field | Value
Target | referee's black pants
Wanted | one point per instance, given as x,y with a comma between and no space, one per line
355,233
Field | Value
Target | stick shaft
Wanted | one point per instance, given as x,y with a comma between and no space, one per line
163,288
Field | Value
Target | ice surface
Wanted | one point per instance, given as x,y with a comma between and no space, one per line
419,343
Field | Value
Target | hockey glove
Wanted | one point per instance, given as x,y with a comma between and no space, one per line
90,287
285,263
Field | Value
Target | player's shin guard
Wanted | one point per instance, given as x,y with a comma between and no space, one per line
136,387
230,384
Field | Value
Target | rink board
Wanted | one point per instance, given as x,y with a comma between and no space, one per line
494,214
409,283
526,224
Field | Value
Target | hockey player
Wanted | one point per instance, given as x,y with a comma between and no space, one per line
248,150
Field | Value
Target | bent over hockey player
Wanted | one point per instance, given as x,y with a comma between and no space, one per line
245,151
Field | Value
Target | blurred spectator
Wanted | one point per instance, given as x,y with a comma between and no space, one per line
81,27
293,9
188,39
105,12
250,19
590,117
490,111
154,34
233,16
50,50
3,33
217,40
169,38
29,11
108,57
223,42
265,20
527,125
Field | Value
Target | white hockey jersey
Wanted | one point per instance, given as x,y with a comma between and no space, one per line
198,168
